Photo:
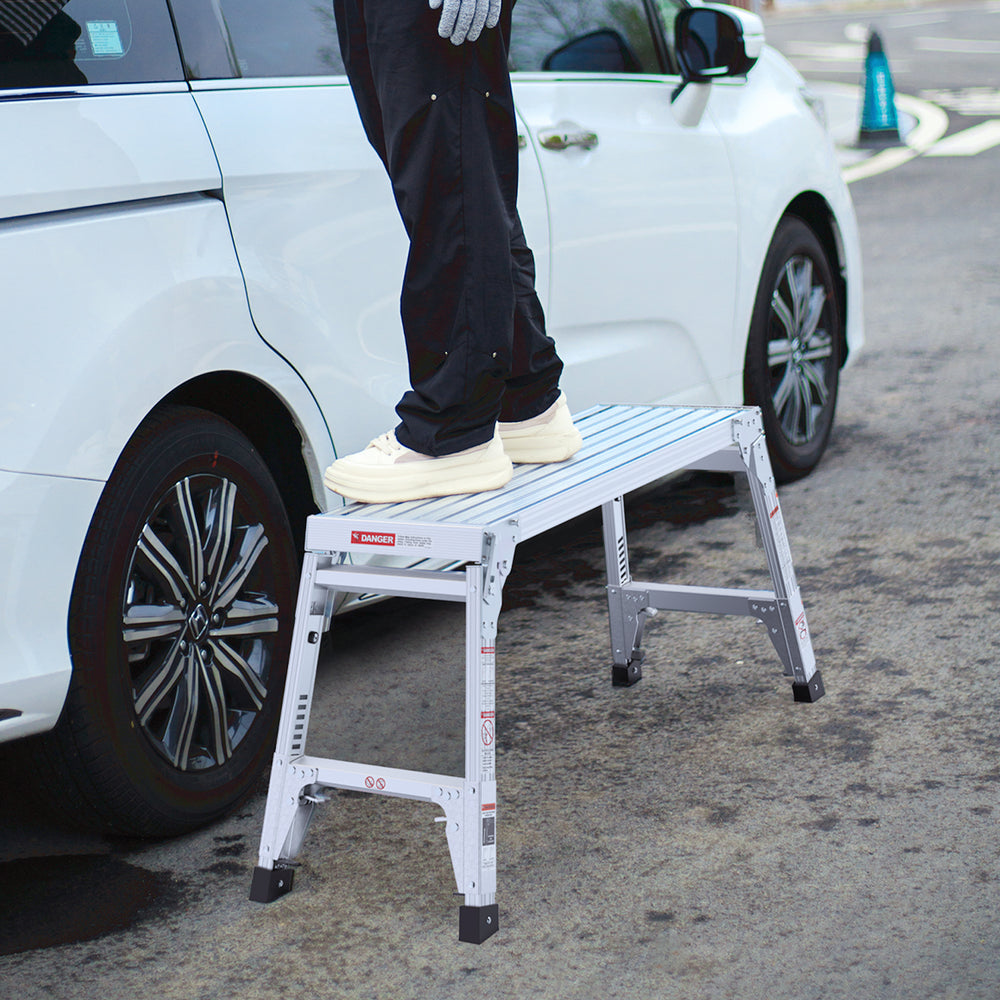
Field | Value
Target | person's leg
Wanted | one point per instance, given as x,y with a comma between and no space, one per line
441,118
532,385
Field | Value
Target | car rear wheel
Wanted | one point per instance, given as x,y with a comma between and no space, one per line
792,365
179,629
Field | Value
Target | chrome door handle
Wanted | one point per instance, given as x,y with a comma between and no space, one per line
566,134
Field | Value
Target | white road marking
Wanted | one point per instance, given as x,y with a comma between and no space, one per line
827,51
969,142
983,102
963,46
932,123
903,22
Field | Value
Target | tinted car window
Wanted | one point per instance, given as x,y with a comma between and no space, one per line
63,43
588,36
258,38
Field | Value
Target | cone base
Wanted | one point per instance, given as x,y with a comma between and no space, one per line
878,138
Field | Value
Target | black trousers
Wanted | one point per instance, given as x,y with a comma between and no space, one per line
441,117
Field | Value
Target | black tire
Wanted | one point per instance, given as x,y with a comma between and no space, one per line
179,628
793,357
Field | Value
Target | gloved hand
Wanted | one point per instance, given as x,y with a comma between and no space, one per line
464,20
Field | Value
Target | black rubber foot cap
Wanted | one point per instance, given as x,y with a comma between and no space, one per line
813,690
627,675
270,884
477,923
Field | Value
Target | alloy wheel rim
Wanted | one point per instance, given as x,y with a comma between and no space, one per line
199,621
799,350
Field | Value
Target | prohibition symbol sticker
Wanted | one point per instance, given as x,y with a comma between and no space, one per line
380,784
369,782
487,731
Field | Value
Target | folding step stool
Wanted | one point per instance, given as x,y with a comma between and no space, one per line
625,448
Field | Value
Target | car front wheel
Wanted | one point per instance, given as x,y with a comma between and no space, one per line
179,631
793,351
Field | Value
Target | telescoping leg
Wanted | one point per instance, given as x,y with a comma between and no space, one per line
290,799
785,616
625,619
479,916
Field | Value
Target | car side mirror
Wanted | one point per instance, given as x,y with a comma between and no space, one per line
603,51
716,42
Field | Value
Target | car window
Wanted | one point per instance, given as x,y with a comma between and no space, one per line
588,36
66,43
221,39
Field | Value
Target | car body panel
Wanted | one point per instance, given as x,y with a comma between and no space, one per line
780,150
632,219
50,515
170,279
320,241
112,148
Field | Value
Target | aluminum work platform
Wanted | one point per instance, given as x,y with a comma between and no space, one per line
625,448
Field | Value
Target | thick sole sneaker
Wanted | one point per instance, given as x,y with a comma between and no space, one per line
549,437
375,478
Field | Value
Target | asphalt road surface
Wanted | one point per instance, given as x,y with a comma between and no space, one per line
698,835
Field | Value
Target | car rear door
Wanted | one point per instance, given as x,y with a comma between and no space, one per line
315,226
642,205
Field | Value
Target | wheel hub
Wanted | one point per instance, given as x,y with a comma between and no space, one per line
198,622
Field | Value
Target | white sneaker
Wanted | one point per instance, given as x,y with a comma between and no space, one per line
387,472
549,437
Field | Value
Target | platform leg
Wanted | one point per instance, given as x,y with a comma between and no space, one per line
786,621
623,615
478,918
287,812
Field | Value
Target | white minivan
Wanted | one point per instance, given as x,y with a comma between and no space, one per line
200,263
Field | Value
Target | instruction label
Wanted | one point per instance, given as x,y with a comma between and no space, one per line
487,714
488,840
105,39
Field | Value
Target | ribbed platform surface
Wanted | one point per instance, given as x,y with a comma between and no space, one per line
625,448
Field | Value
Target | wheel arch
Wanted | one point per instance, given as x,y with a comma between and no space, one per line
812,208
261,415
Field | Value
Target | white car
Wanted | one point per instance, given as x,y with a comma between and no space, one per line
200,262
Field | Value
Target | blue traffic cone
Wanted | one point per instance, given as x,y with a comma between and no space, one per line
879,122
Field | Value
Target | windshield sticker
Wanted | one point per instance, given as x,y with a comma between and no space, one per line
104,38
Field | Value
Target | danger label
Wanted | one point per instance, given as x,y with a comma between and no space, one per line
386,539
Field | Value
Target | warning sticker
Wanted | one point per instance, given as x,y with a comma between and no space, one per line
383,538
802,628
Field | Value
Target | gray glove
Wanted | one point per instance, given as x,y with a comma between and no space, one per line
464,20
